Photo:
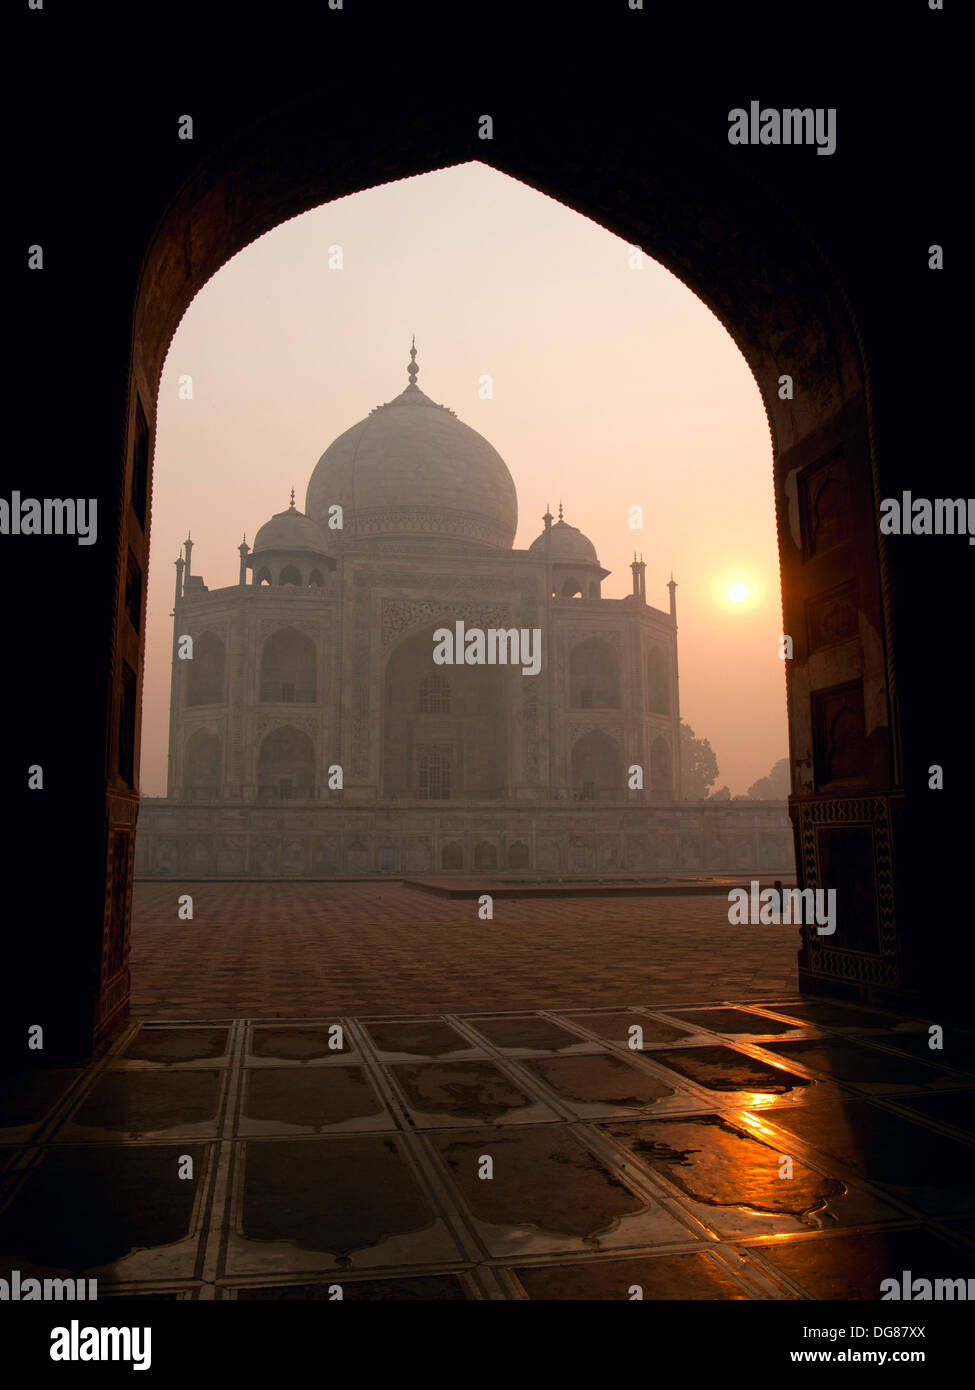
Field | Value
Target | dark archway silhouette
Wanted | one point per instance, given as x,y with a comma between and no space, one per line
752,260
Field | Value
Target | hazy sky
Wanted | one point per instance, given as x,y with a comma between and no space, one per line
612,386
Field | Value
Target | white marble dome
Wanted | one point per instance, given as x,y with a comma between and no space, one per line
412,469
568,545
290,530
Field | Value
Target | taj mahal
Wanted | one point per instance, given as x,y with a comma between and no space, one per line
314,734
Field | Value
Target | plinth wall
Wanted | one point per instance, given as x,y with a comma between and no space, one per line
201,841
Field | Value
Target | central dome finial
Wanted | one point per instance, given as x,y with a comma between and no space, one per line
413,369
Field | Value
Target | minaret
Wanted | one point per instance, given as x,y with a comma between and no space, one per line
244,549
672,586
180,563
188,544
639,578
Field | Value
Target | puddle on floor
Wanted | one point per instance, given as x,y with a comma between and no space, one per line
599,1080
465,1091
842,1060
165,1046
298,1044
733,1021
308,1099
715,1163
145,1103
723,1069
334,1197
541,1177
433,1039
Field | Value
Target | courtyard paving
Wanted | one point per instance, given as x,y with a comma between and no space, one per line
567,1103
292,949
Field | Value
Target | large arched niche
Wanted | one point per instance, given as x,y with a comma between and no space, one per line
756,267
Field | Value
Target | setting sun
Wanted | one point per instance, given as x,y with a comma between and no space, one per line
738,593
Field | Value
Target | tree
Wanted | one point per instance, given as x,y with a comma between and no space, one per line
776,786
722,794
698,765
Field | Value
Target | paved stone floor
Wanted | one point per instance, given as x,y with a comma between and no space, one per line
358,1090
291,949
788,1150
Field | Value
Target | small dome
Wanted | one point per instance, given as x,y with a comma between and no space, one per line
290,530
568,545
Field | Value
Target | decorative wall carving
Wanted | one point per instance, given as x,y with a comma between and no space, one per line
377,521
401,616
307,723
826,511
862,893
306,625
832,618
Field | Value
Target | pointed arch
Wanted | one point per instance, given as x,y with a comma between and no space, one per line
286,765
205,674
594,675
288,668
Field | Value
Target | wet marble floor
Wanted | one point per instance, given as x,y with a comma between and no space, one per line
731,1150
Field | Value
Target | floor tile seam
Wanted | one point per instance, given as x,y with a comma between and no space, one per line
828,1166
895,1105
890,1049
527,1081
645,1182
770,1286
644,1060
444,1202
13,1180
212,1248
759,1052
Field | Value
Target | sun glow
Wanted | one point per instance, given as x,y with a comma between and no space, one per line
738,588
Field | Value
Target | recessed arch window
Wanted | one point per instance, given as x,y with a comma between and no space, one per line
434,774
201,765
661,781
288,664
597,768
658,682
205,673
290,575
286,766
594,678
435,695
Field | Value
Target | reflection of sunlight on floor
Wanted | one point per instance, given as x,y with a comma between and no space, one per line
751,1121
762,1097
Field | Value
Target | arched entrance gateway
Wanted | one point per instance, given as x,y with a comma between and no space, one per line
775,292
